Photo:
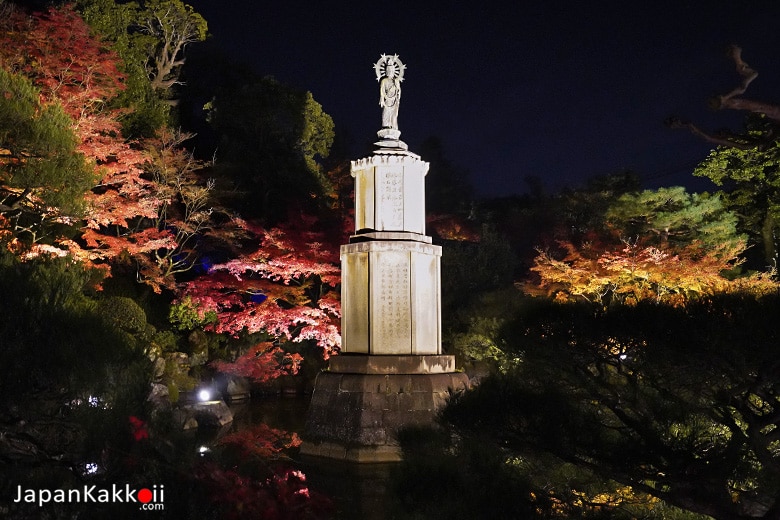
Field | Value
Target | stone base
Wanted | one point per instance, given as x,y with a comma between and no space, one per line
362,364
390,139
356,454
358,407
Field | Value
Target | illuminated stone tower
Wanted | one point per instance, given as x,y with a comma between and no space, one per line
390,372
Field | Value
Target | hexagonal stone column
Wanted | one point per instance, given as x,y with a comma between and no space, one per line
390,299
390,192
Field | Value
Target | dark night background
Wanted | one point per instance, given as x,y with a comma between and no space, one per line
558,90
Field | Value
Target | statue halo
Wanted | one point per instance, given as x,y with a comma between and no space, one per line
381,67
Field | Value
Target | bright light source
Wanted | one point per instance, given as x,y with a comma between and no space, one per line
90,468
204,395
203,450
623,357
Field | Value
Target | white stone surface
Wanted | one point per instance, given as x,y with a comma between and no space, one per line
390,235
390,192
391,298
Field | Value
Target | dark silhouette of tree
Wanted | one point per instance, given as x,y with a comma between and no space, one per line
270,138
733,100
680,404
447,187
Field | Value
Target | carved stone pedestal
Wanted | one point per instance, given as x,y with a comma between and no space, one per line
361,403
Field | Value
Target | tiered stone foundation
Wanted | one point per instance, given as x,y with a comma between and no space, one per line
361,403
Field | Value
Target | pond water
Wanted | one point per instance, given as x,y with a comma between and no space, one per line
359,491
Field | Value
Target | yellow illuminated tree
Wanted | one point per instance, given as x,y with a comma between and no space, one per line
665,246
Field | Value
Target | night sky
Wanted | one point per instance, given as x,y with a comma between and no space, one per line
558,90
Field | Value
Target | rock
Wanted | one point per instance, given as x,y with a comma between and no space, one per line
199,345
238,389
209,413
158,371
158,396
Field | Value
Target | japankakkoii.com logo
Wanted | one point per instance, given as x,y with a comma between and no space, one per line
147,499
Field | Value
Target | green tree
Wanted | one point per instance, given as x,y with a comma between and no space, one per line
580,212
472,272
270,138
42,176
752,181
671,216
172,26
661,245
541,220
151,38
57,343
746,162
116,22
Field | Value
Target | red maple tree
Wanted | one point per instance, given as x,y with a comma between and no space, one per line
284,288
148,203
151,205
70,66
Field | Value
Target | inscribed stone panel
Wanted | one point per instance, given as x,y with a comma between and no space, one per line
414,198
390,302
390,197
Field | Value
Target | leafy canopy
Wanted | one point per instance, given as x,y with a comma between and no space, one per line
270,139
661,245
751,178
40,167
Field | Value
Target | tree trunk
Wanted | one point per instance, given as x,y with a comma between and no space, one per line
768,238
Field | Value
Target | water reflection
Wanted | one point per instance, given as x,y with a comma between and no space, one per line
283,412
359,491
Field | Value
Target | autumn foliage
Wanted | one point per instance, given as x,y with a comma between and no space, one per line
285,288
261,440
261,363
150,209
282,495
238,492
75,70
632,273
664,246
144,210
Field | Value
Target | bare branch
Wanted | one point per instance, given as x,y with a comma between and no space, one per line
743,69
733,101
720,139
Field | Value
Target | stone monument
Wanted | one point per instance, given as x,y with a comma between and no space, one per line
390,372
